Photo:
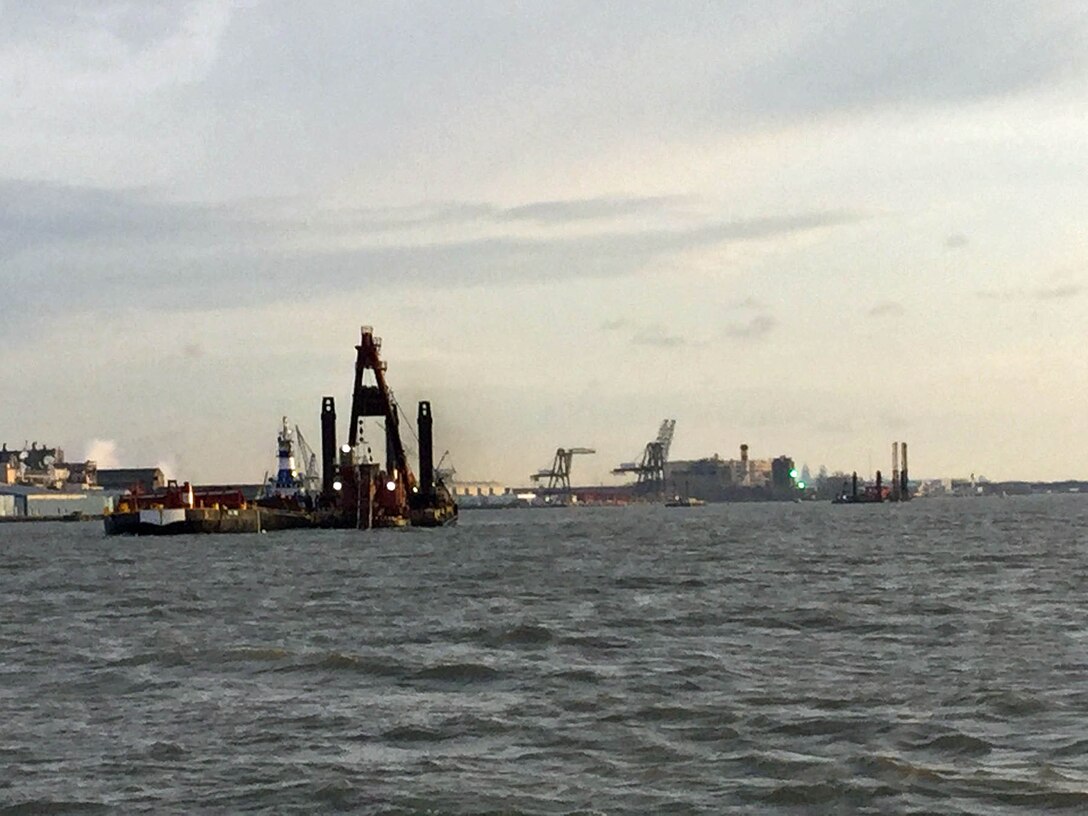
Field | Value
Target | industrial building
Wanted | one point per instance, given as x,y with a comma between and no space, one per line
715,479
147,480
37,502
36,481
42,466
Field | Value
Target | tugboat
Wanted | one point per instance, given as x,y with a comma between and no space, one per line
290,488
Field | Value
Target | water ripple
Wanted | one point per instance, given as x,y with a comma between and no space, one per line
924,658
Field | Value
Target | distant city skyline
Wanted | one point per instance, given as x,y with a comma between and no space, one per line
815,228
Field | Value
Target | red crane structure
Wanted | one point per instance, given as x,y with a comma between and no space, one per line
359,491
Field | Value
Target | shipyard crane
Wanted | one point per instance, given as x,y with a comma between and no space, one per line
444,474
558,475
311,476
650,470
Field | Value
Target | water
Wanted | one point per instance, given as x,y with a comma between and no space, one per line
924,658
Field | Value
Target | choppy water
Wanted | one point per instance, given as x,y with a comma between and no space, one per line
926,658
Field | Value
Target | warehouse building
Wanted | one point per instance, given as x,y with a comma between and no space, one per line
32,501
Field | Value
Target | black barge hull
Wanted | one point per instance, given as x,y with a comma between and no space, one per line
199,521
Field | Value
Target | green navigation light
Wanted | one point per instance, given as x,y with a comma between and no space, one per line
801,485
793,473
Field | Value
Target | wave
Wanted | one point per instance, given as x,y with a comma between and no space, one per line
458,673
800,794
955,743
47,807
524,635
415,733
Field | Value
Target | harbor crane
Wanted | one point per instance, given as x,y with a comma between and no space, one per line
650,470
311,475
558,475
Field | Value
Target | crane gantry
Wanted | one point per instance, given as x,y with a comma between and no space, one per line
558,475
650,470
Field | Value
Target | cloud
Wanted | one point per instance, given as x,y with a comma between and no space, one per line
87,249
886,308
750,303
585,209
615,324
657,337
843,57
956,241
755,329
1060,292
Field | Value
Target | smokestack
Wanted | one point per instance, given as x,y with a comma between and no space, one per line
903,474
895,470
328,444
854,485
426,450
879,482
744,464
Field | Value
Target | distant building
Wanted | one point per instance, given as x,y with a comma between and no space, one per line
146,480
464,488
744,479
34,501
42,466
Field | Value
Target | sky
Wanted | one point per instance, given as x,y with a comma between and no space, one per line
812,227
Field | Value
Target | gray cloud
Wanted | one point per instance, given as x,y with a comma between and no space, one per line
657,337
887,308
1059,292
755,329
615,324
85,247
848,57
956,241
590,208
750,303
132,22
38,213
1064,292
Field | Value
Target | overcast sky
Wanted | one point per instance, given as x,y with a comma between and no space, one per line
812,227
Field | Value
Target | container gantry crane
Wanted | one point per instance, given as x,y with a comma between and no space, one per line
558,475
650,470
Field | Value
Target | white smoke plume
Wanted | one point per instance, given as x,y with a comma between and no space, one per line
168,468
103,452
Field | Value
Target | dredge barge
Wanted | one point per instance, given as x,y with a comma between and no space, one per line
354,491
360,492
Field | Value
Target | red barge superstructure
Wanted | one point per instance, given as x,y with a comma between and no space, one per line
361,490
